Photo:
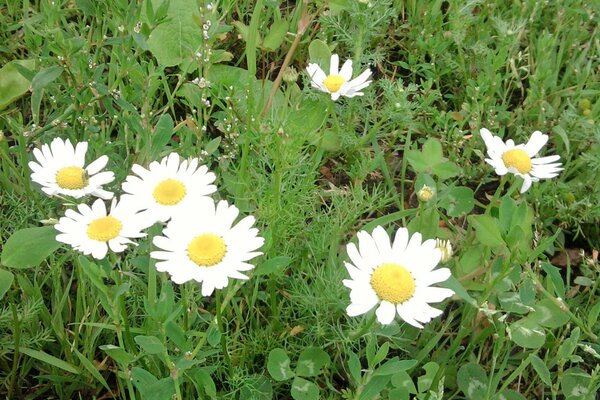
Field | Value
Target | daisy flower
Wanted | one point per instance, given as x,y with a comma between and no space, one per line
519,159
395,276
205,245
169,185
60,170
93,231
338,82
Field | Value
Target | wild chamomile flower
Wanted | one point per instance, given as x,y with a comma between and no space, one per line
396,276
60,170
169,185
519,159
202,244
93,231
338,82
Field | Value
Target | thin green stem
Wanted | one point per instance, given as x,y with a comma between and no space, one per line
365,328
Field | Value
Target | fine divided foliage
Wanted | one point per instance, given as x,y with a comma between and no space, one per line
368,211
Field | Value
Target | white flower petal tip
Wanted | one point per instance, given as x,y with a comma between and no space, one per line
338,82
396,276
207,246
169,187
93,230
60,170
521,160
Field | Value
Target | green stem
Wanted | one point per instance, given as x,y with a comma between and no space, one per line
223,336
366,327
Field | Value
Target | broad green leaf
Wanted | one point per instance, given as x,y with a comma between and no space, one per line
150,387
432,150
507,210
161,135
540,367
48,359
178,38
150,344
310,362
424,381
276,35
473,381
320,54
12,84
204,382
354,367
575,385
528,334
273,265
486,229
372,390
117,354
29,247
459,290
548,314
45,77
556,283
6,280
511,302
457,201
257,387
393,366
304,390
382,352
307,118
402,380
279,365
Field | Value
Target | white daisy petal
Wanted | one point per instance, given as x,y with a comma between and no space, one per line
215,249
396,275
171,186
92,231
339,82
61,170
518,159
334,64
385,313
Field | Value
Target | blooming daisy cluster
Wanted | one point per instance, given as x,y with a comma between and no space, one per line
201,240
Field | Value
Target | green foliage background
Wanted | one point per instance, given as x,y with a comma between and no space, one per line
120,75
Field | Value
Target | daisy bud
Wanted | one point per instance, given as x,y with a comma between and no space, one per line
445,247
290,75
425,194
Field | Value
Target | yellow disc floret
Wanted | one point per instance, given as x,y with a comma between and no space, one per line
71,178
333,83
104,229
393,283
169,192
207,249
517,159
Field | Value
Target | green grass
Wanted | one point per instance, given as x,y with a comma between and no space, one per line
313,173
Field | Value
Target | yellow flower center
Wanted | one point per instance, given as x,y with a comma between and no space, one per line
71,178
518,159
207,249
393,283
169,192
104,229
333,83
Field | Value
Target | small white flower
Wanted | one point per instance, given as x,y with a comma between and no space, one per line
519,159
59,168
202,244
93,231
396,275
338,82
168,185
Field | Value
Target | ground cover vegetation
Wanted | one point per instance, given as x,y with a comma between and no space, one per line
206,200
